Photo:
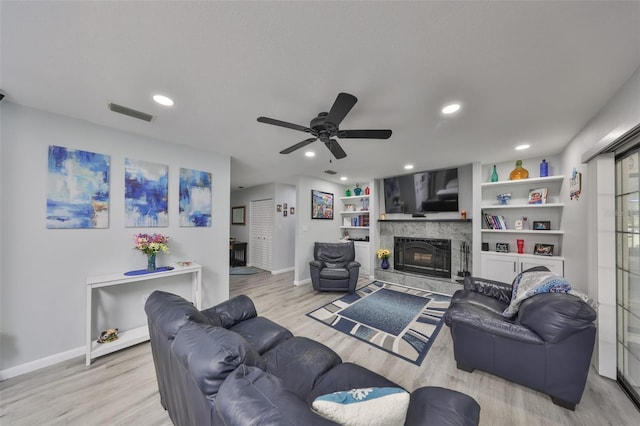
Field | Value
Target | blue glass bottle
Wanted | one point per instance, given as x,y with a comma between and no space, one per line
544,168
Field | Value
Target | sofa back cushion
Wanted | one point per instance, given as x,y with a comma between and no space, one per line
233,311
211,353
555,316
168,312
334,255
250,396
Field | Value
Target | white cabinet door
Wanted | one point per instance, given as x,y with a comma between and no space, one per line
260,254
555,265
499,267
363,256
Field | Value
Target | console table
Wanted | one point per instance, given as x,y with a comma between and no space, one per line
137,335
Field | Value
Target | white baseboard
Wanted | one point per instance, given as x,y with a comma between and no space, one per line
41,363
282,271
302,282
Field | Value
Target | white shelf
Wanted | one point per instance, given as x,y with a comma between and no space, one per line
354,197
523,255
528,181
523,206
356,212
354,227
523,231
125,339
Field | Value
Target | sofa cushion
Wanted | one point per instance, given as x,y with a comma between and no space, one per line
169,312
299,362
347,376
249,396
233,311
334,273
211,353
365,406
261,333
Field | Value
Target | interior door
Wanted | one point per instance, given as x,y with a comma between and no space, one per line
260,248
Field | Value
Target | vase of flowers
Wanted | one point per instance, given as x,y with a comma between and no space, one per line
151,245
384,255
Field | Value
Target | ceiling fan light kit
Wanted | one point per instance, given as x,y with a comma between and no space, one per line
325,127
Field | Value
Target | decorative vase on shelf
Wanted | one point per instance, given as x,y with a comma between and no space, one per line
151,262
519,172
357,190
494,175
385,263
367,191
347,193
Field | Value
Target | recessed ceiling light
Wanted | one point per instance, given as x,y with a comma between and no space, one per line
163,100
343,178
408,167
451,108
523,146
310,154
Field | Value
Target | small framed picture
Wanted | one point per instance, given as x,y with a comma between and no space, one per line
279,208
541,225
284,213
238,215
485,246
284,206
518,224
502,247
538,196
543,249
292,210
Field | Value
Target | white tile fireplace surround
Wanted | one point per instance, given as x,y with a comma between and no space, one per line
456,230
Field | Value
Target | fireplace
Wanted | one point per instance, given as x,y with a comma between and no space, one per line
425,256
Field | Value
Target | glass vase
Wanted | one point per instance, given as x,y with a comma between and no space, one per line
151,262
385,263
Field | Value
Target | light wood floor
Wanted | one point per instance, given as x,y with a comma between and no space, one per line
121,389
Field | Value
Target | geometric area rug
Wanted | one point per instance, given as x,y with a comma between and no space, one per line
400,320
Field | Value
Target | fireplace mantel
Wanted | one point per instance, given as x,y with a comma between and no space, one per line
423,219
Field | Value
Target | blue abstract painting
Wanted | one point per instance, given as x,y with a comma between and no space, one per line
77,189
195,198
146,194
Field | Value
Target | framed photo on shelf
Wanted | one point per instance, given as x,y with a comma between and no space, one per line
237,215
538,196
321,205
541,225
502,247
543,249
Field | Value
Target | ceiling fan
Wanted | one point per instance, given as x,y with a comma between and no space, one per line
325,127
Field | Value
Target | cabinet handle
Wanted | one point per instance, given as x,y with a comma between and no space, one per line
514,266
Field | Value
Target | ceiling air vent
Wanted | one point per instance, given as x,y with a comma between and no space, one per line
130,112
331,172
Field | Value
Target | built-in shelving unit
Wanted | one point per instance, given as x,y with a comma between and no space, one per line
503,265
355,221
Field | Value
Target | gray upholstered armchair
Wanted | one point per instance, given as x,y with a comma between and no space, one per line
334,267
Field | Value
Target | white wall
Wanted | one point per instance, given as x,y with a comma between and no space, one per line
308,230
283,242
621,114
43,271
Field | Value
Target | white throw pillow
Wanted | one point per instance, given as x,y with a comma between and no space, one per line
365,407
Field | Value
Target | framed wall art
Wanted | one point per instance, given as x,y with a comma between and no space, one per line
321,205
146,194
77,189
543,249
195,198
238,215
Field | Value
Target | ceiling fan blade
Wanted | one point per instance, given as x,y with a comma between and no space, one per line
365,134
335,149
298,146
341,107
275,122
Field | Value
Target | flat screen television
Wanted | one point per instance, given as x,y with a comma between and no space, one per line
422,192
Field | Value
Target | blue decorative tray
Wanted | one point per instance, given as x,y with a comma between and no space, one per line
144,271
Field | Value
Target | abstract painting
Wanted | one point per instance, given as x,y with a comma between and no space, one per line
321,205
146,194
195,198
77,189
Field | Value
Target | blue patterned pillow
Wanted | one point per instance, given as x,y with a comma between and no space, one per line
531,283
364,407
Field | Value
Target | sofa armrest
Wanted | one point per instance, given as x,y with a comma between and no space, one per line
496,289
353,264
316,264
489,322
233,311
436,406
555,316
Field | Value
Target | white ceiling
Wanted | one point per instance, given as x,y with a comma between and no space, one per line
532,72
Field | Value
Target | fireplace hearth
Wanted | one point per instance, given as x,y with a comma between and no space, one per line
425,256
